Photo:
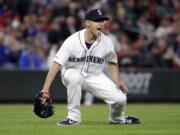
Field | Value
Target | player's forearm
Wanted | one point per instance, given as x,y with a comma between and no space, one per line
50,76
114,72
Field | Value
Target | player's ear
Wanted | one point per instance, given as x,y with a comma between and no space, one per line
87,24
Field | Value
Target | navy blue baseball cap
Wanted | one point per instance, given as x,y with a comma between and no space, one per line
95,15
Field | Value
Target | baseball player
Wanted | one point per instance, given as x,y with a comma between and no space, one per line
81,59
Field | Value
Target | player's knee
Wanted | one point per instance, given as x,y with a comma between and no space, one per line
75,78
122,99
72,77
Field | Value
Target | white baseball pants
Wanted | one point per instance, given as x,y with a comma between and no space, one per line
100,86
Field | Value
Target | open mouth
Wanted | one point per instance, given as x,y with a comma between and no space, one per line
99,29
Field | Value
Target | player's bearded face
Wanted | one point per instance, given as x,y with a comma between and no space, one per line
96,27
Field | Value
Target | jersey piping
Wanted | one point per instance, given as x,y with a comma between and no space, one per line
91,52
86,53
84,49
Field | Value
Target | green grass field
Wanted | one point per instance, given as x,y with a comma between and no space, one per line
157,119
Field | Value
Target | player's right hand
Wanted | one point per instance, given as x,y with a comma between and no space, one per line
45,95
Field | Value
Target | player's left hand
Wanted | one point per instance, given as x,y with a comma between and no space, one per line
122,86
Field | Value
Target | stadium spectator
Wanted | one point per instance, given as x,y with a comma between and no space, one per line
31,58
5,53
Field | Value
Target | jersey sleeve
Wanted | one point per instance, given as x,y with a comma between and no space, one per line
63,53
110,55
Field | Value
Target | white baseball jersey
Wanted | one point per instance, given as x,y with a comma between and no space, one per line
74,53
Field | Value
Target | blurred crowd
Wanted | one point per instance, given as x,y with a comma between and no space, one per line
146,33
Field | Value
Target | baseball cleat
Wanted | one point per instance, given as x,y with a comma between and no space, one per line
67,122
132,120
128,120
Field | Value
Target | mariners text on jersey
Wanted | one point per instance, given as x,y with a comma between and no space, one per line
91,59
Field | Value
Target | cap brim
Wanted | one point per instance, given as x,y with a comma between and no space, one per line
100,19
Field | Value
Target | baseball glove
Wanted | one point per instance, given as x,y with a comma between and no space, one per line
43,105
